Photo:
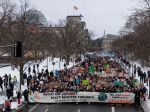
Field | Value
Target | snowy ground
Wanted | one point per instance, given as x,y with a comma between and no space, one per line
144,69
43,65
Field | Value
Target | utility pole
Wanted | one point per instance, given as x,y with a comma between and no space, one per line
149,80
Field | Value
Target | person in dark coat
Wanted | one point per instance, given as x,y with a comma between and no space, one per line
37,66
148,73
1,83
140,74
51,74
5,80
25,76
11,85
46,71
39,76
137,96
8,92
143,91
29,80
138,71
7,106
144,77
29,69
18,96
34,71
148,77
34,66
25,94
9,78
135,69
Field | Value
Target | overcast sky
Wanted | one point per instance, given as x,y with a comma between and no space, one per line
100,15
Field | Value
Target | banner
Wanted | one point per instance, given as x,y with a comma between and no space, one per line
56,97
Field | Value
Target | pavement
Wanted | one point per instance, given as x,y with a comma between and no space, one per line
146,105
81,108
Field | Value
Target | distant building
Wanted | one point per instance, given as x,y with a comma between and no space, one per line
107,41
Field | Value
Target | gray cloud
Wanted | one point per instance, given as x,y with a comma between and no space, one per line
98,14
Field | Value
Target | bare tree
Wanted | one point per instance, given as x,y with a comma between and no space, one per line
137,38
69,38
18,26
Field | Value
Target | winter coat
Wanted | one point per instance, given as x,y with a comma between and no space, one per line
18,94
8,92
1,81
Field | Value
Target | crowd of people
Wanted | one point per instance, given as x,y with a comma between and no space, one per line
99,74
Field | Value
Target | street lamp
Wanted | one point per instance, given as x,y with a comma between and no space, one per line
149,79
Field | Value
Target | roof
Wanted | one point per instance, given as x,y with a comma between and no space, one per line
110,36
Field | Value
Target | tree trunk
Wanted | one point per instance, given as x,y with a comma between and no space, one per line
21,75
67,59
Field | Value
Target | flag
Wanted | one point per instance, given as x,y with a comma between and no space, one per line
91,69
75,8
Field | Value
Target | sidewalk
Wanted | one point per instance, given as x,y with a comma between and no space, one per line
145,105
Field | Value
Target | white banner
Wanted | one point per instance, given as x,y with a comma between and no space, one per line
56,97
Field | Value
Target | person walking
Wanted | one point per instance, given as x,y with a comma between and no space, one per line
144,77
135,70
11,85
25,94
29,80
137,96
18,96
148,77
29,69
9,79
8,92
5,80
37,67
7,106
14,80
1,83
143,91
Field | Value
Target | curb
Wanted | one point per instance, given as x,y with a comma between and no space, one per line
142,109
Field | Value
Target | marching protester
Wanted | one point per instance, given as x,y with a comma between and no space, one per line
25,94
137,96
7,106
143,91
11,85
8,92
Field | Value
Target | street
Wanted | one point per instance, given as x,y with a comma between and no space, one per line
80,108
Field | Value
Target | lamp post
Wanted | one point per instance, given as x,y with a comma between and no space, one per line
149,79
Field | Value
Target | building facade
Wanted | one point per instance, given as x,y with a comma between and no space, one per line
107,41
